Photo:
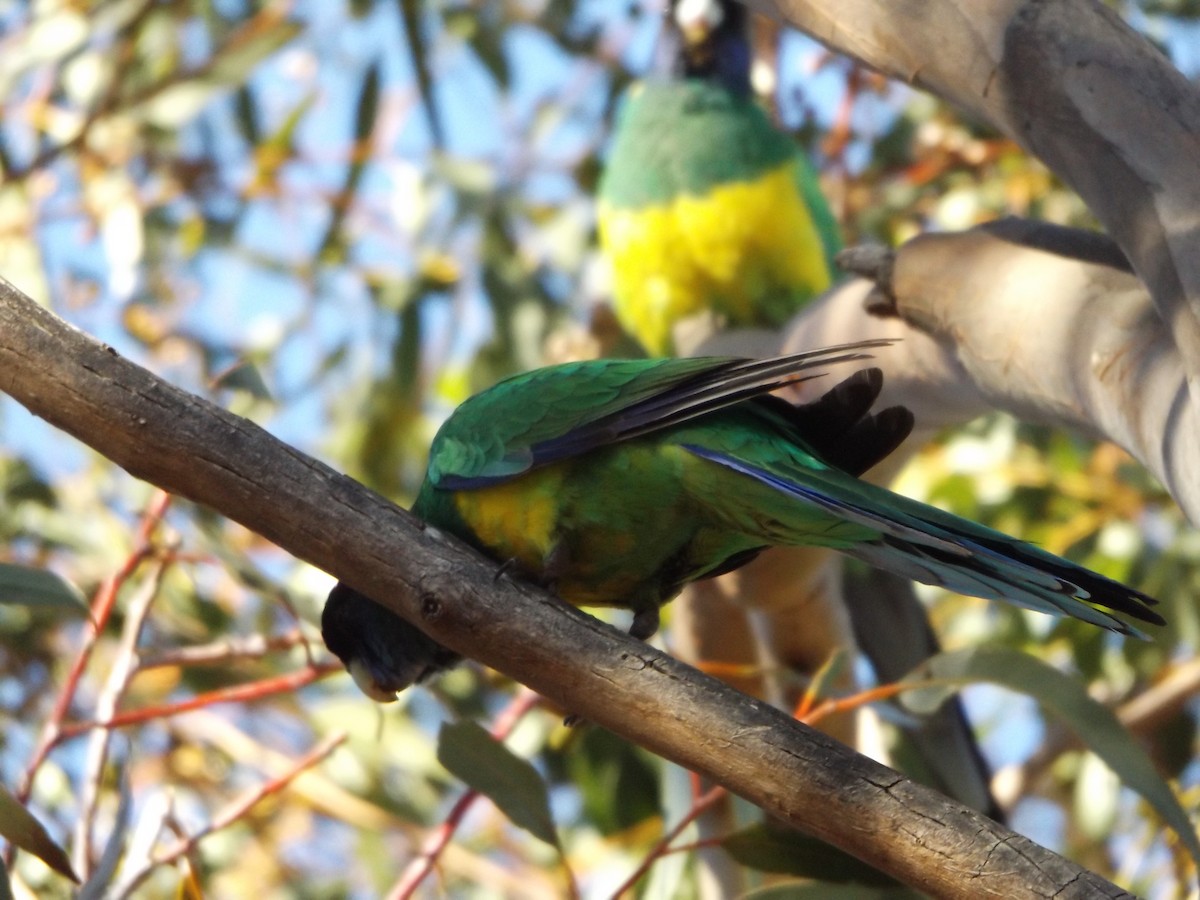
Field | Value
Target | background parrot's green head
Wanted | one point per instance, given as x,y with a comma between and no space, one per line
712,41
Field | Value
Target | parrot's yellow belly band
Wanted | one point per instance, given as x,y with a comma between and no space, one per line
748,251
516,518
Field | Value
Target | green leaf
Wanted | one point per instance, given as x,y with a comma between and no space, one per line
617,781
37,587
787,852
1067,699
243,376
490,768
18,825
418,48
332,249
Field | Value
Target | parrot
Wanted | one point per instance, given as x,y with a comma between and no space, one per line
615,482
704,206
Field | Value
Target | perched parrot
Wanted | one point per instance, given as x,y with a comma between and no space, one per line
617,482
704,205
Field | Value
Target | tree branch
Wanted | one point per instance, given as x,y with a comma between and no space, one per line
1076,87
1001,317
188,446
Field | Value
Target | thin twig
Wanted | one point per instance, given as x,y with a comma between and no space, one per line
102,606
663,847
422,864
254,690
809,712
96,757
252,646
232,812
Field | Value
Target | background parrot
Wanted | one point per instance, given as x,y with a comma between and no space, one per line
705,207
616,482
712,217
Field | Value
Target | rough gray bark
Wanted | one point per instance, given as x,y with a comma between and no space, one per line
1076,87
190,447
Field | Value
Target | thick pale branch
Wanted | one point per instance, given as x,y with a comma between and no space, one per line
190,447
999,318
1076,87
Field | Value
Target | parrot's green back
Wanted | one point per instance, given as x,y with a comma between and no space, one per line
541,470
617,482
706,207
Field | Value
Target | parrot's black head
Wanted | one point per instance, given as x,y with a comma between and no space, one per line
381,651
712,41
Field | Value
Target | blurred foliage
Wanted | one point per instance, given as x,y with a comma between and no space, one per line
339,220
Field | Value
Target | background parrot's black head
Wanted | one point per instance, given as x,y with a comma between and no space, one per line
381,651
712,41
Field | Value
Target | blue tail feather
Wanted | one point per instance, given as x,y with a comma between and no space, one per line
934,547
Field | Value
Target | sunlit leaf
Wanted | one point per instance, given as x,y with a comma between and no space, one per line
1097,797
189,885
179,103
1065,697
19,826
487,766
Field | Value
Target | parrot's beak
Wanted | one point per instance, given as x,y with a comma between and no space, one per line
697,20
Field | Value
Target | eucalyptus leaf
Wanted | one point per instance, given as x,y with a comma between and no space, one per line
27,586
18,825
489,767
788,852
244,376
1068,700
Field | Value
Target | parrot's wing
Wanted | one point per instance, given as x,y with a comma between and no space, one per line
560,412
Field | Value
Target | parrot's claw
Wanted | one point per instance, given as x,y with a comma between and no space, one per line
505,567
645,623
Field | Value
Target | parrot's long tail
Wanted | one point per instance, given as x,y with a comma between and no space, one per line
934,547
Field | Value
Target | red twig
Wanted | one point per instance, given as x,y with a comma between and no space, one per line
102,606
663,847
231,813
421,865
124,664
808,714
101,610
808,711
254,690
842,130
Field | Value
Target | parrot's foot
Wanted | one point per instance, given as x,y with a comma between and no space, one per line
645,623
505,567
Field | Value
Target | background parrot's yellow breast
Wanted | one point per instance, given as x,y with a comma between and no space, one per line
747,250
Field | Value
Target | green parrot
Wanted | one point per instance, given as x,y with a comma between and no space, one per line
704,205
616,482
